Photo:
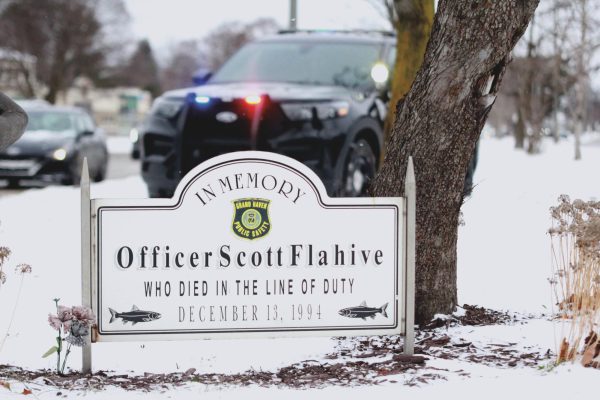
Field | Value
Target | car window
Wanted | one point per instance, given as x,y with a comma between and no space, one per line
88,123
391,57
80,123
52,122
311,62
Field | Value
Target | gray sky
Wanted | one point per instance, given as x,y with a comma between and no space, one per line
165,22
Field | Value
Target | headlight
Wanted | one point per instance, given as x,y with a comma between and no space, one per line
167,108
380,73
59,154
297,112
134,135
304,111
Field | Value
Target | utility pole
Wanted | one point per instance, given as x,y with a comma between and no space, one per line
293,15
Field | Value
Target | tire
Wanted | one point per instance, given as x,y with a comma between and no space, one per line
101,173
159,193
359,169
75,179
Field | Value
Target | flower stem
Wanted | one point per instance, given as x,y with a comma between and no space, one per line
59,341
58,358
65,359
12,317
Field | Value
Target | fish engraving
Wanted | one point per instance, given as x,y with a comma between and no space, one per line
363,311
134,316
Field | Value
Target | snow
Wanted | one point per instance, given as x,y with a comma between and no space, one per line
504,263
503,248
118,144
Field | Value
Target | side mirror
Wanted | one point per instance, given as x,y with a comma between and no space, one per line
201,76
85,133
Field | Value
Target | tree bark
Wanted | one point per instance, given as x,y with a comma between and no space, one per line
413,27
439,125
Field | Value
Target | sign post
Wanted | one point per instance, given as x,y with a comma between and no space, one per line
250,245
410,194
86,258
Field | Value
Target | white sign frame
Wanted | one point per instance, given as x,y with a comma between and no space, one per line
91,213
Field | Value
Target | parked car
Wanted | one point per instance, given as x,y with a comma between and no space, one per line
318,97
53,147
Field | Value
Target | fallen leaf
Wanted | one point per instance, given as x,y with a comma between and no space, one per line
5,384
26,392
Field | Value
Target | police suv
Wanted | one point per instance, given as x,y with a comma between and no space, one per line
318,97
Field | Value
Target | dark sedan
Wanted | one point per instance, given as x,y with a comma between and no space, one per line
53,147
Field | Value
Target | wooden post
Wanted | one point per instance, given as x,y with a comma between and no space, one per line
86,298
410,193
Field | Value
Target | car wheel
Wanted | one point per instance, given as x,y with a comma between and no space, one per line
359,169
76,179
156,193
160,193
101,173
13,183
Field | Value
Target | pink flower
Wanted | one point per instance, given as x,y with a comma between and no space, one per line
54,321
83,314
65,313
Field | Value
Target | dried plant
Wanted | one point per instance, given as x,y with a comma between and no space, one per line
575,236
22,269
4,255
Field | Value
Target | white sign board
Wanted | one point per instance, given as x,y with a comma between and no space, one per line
249,245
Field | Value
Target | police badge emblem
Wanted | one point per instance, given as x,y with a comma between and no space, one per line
251,218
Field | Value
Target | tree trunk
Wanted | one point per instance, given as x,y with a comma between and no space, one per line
581,84
556,75
439,125
413,27
532,97
520,128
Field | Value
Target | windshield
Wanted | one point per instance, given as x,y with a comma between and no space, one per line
51,121
311,62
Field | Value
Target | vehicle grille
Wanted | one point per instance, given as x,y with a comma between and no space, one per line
18,166
157,145
204,136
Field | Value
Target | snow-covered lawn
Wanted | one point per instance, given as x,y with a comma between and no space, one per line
504,263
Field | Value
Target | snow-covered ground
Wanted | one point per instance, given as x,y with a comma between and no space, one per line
118,144
504,249
504,263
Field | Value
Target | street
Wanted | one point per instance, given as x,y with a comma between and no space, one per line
120,165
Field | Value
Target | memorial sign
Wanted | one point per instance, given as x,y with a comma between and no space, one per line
249,245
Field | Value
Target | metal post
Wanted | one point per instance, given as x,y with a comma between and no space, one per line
293,15
86,298
410,193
